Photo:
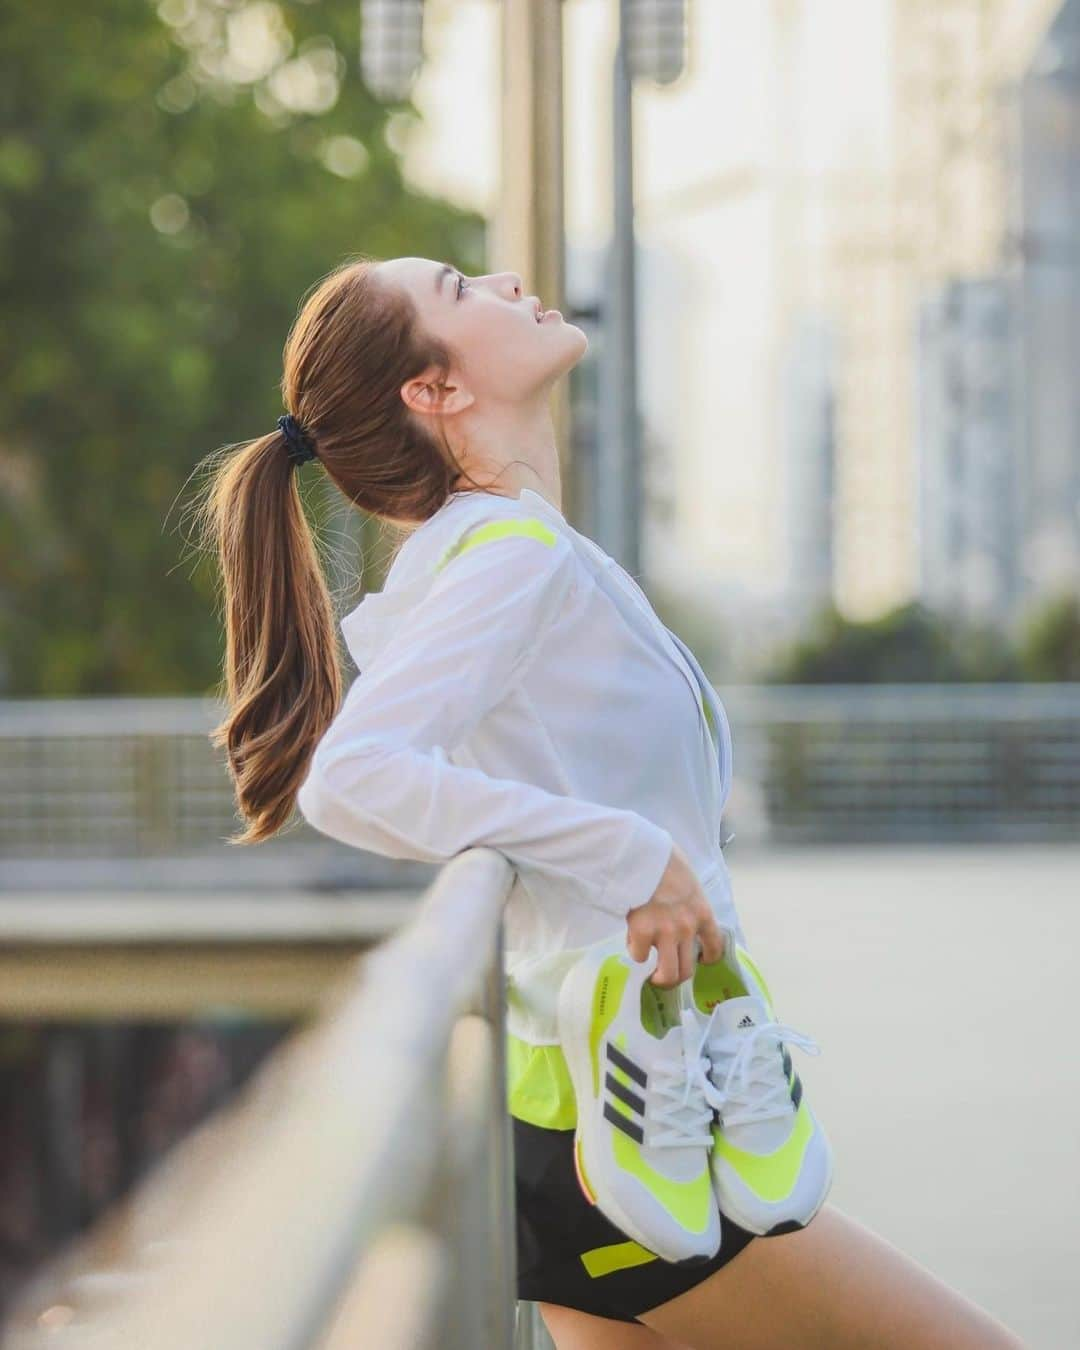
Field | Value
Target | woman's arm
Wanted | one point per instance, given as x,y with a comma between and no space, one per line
380,778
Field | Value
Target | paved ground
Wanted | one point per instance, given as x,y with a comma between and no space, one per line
940,983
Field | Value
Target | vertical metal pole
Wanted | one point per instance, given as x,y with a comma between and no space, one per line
527,231
1011,112
618,491
63,1069
501,1285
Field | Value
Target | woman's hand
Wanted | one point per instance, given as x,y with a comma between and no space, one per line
676,915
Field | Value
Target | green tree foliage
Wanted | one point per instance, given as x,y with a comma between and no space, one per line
1050,643
172,180
915,643
908,644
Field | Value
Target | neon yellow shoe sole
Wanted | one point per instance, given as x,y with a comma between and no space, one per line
771,1161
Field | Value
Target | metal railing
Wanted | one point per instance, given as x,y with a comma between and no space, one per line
90,788
358,1192
845,763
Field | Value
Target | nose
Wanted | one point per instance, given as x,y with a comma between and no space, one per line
515,282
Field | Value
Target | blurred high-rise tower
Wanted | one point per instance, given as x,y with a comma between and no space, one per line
1043,264
967,466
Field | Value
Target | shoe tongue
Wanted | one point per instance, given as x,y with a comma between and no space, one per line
739,1014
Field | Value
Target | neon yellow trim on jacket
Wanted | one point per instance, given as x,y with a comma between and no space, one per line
498,529
540,1090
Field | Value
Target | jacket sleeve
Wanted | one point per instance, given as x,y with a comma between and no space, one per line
380,778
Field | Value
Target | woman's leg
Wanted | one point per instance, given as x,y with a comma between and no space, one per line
833,1285
574,1330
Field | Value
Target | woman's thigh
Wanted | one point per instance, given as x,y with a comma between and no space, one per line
574,1330
832,1285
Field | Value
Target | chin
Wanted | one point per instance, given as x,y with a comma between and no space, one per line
572,328
584,344
574,353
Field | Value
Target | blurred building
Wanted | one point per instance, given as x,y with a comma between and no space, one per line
998,404
871,173
946,258
837,166
967,459
930,215
1043,255
809,462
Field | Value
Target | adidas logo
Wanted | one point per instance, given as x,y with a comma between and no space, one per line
626,1095
747,1021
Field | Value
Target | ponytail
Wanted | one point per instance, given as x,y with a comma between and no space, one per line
282,678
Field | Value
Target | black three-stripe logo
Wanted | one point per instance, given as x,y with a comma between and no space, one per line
624,1094
794,1082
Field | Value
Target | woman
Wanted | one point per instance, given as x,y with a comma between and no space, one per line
516,691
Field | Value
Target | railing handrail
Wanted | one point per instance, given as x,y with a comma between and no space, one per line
96,715
387,1113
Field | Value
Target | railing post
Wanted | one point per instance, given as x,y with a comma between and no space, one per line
502,1285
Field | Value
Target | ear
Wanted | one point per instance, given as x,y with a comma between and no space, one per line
430,392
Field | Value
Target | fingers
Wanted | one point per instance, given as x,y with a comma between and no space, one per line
677,961
682,936
712,940
638,943
666,973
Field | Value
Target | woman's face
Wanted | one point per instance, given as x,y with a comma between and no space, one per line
502,354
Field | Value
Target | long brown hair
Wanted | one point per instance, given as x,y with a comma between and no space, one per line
352,345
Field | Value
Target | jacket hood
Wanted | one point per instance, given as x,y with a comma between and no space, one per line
368,626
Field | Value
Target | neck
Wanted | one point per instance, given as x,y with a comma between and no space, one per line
532,461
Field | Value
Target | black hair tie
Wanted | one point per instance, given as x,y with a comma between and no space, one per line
301,445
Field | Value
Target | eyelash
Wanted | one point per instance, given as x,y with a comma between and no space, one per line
461,285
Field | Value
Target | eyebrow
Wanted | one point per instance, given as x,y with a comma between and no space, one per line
444,271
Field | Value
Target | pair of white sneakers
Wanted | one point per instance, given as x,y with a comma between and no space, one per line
687,1104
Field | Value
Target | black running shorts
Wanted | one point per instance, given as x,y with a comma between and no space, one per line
569,1253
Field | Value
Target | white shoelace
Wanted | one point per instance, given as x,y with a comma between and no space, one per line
680,1113
763,1091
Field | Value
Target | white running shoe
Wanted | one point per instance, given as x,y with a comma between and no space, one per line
771,1161
641,1143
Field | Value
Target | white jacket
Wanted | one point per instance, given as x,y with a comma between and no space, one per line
517,690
